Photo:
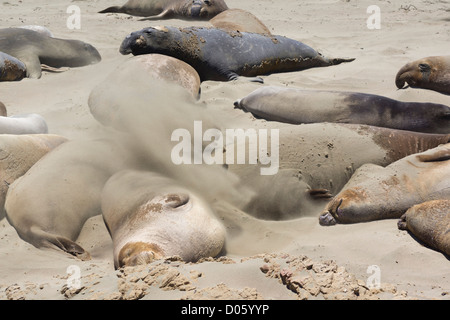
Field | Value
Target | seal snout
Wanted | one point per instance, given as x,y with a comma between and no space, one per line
327,219
138,253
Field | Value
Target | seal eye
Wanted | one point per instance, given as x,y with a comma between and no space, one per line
207,2
423,67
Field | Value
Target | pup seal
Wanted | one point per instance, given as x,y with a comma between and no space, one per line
11,69
18,153
428,73
34,48
167,9
430,223
297,106
151,217
73,175
222,56
375,192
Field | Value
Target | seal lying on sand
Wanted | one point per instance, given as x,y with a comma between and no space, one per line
325,156
49,205
18,153
239,20
30,123
151,217
297,106
375,192
222,56
167,9
34,48
427,73
430,223
142,74
11,69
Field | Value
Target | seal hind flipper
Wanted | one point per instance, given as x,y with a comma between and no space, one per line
336,61
45,239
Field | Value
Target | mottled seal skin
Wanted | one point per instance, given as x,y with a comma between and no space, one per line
428,73
49,205
30,123
239,20
151,217
430,223
297,106
11,68
143,74
34,48
18,153
167,9
376,192
324,157
220,55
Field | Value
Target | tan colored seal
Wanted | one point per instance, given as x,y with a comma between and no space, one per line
376,192
428,73
167,9
239,20
430,223
18,153
151,217
49,205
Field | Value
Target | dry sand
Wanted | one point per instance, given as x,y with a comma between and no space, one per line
265,259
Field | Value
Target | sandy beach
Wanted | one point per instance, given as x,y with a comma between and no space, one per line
271,260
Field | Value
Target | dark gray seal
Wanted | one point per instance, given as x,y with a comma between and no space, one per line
220,55
375,192
34,48
11,69
428,73
297,106
167,9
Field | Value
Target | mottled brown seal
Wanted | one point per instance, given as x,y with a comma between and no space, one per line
167,9
376,192
220,55
428,73
151,217
430,223
297,106
35,48
11,69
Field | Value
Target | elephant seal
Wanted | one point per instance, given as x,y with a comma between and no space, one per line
239,20
149,73
30,123
40,29
151,217
324,156
49,205
297,106
220,55
167,9
428,73
376,192
18,153
11,69
430,223
34,48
